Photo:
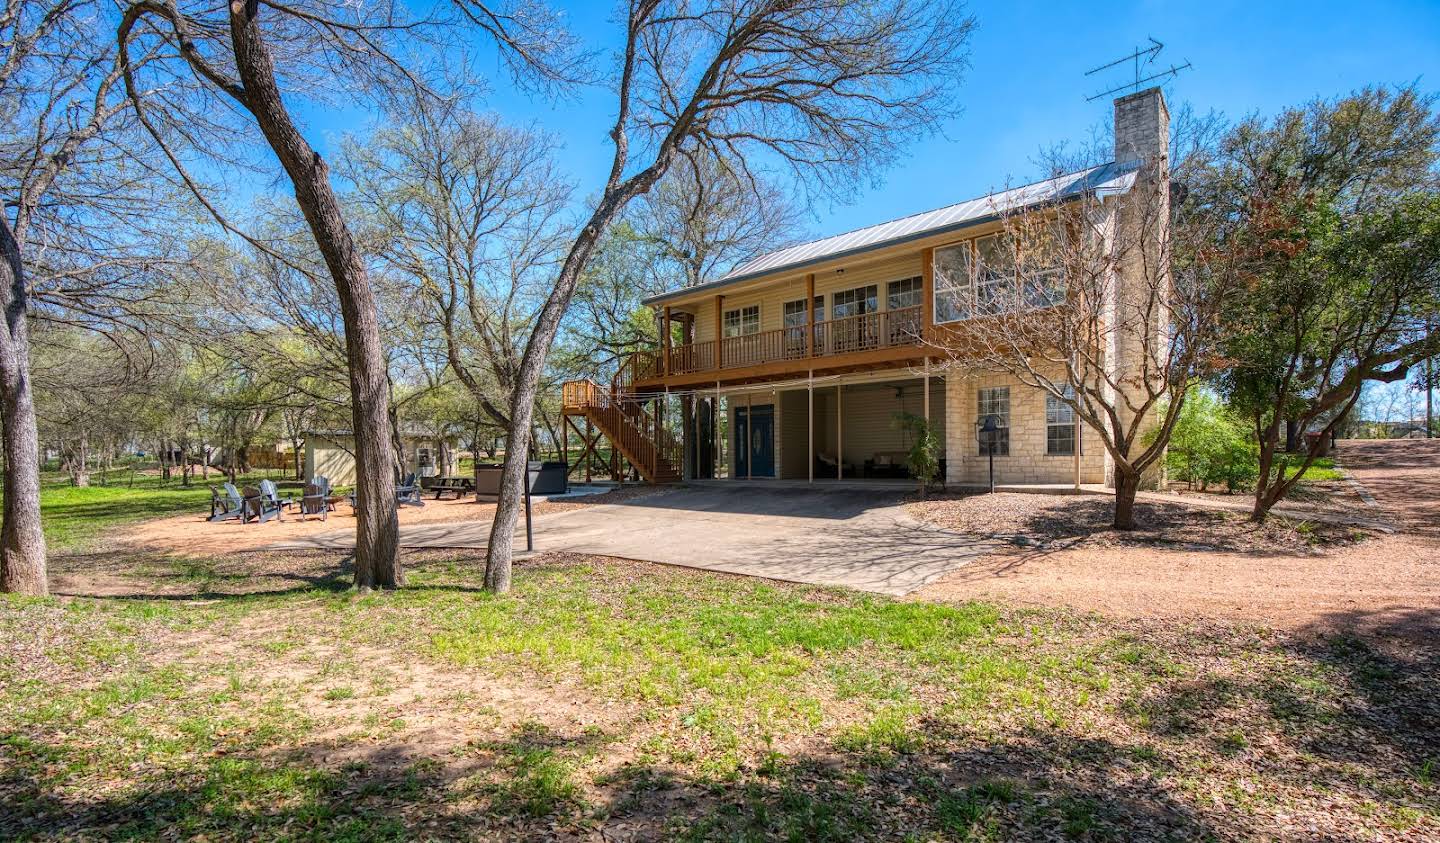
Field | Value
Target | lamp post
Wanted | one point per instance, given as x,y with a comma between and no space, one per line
988,434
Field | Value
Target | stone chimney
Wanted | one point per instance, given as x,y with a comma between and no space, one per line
1141,241
1142,131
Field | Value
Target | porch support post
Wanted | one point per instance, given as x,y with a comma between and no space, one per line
810,319
719,335
927,391
715,424
927,294
749,426
810,421
665,341
839,431
589,450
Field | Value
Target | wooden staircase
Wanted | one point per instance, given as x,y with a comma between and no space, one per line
632,424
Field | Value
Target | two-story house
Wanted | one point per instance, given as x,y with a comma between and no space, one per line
795,364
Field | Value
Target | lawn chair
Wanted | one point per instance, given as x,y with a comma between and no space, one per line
272,494
315,501
261,507
226,506
408,492
322,483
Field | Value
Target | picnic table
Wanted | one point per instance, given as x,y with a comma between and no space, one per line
461,486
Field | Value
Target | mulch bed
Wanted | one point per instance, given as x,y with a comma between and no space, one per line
1086,519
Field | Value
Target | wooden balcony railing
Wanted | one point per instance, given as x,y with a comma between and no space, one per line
696,357
865,332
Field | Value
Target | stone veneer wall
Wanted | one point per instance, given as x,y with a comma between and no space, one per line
1027,462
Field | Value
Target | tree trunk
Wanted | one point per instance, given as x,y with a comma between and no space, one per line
1292,436
1126,485
80,464
499,556
1263,481
537,348
377,562
22,539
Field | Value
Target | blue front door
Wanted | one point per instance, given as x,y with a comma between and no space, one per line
755,441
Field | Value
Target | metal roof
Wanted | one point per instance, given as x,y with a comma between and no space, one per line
1106,179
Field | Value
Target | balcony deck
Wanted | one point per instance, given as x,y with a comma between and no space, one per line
880,339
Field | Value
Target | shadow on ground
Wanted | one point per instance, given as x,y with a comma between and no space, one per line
1041,784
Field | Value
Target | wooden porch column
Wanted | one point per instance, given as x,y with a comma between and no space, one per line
565,424
665,342
810,318
927,293
589,458
839,431
810,422
719,329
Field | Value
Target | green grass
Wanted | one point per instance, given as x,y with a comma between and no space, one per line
682,705
1320,471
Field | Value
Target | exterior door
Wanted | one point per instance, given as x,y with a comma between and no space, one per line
755,441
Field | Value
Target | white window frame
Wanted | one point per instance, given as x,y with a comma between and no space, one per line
954,285
790,313
743,325
905,288
965,288
1060,416
866,296
994,400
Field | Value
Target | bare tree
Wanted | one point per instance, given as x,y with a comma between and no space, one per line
232,51
63,192
703,217
465,215
1077,296
817,88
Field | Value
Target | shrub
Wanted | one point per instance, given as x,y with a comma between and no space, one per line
924,456
1210,446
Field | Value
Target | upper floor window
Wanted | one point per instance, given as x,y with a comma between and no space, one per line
999,273
855,302
903,294
795,312
954,286
742,321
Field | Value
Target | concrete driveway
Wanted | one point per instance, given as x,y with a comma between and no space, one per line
859,538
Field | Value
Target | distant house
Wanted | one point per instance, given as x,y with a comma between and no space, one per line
331,453
795,364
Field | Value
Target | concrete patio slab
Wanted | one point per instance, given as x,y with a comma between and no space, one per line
858,538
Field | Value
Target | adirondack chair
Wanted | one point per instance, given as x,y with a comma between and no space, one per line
408,491
322,483
226,506
272,494
261,507
315,501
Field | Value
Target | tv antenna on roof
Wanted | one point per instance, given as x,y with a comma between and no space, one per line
1142,59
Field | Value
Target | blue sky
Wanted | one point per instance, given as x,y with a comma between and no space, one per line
1026,88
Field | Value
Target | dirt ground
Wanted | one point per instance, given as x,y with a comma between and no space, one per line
1385,585
194,534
